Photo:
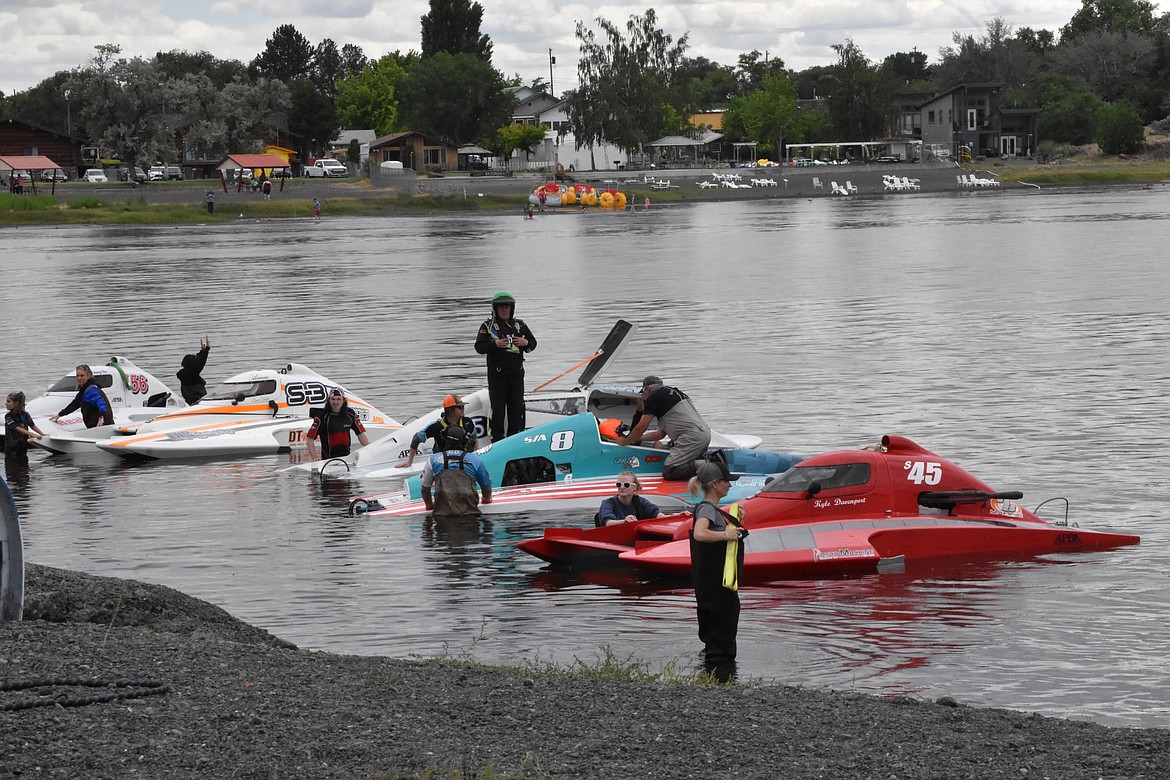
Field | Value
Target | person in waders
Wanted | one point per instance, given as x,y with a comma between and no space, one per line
454,473
677,418
716,568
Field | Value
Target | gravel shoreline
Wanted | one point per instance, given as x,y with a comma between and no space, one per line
245,704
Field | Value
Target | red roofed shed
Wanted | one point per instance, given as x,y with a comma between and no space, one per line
34,164
259,163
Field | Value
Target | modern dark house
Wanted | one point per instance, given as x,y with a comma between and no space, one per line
972,115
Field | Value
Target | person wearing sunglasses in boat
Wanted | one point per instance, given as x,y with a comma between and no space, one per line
627,506
716,566
453,411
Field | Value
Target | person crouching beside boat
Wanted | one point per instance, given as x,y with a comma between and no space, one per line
716,565
627,506
334,425
677,418
454,472
90,399
453,411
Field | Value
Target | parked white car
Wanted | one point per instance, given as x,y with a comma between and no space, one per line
94,175
157,173
326,168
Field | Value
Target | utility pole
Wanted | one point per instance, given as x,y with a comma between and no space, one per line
551,61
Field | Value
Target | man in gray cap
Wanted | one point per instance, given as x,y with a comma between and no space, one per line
677,418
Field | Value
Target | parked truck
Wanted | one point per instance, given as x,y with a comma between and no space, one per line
327,168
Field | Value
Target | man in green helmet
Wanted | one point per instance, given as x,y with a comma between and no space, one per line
505,339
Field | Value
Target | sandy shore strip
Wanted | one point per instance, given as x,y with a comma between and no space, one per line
241,703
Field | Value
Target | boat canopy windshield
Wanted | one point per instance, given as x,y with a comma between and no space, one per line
68,384
229,391
836,475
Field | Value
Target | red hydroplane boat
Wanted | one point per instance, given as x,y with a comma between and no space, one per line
843,513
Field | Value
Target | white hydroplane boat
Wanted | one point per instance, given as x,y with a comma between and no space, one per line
259,412
135,396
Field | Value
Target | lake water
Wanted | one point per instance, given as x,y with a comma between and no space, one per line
1023,335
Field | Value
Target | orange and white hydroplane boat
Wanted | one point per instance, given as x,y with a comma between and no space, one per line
258,412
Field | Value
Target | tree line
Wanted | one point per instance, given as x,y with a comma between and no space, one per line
1102,78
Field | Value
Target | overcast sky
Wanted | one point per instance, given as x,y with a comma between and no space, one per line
40,37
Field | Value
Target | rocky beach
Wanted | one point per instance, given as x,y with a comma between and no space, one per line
242,703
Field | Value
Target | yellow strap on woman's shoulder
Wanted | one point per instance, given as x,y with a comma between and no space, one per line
731,557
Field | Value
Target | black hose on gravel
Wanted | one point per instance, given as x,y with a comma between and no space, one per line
139,689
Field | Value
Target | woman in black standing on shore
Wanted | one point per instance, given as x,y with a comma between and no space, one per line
716,578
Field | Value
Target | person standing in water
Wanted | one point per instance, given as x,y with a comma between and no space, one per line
716,569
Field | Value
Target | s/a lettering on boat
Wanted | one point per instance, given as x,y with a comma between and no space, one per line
923,472
301,393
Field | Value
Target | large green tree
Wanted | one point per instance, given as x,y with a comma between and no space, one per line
766,114
313,116
1120,129
221,120
1121,16
129,110
371,98
457,97
50,104
287,56
625,83
452,27
514,136
861,102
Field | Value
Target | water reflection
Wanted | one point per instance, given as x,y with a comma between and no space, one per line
980,327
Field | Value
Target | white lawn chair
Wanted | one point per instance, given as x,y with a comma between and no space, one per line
910,184
707,185
892,183
817,184
849,188
838,189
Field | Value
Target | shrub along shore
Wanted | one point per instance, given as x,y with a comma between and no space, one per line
239,702
185,202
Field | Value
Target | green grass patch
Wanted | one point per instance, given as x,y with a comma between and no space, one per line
10,202
86,202
1077,171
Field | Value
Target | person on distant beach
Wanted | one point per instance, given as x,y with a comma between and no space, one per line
454,472
210,202
529,211
90,399
627,506
677,418
333,425
453,416
266,187
18,426
716,571
647,208
191,384
317,209
505,339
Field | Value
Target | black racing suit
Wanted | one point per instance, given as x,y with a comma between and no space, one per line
505,366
